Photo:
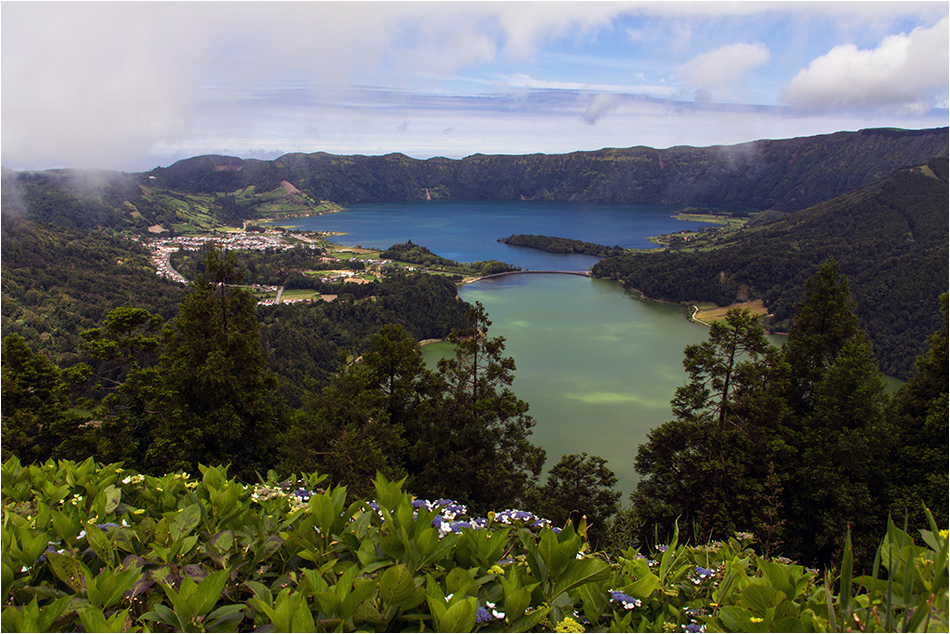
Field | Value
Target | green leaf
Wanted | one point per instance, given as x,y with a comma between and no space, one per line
844,596
581,571
397,588
643,587
101,544
360,593
321,506
184,521
68,569
759,597
209,592
460,617
113,497
164,614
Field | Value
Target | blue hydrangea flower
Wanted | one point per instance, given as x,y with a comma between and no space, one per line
703,573
488,613
625,600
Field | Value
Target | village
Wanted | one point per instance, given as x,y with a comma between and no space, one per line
163,248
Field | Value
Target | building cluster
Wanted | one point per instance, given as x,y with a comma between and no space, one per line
162,248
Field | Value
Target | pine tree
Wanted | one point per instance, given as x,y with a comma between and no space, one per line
222,404
37,421
840,470
473,444
824,323
580,486
918,415
708,466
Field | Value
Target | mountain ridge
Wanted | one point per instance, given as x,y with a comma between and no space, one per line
784,174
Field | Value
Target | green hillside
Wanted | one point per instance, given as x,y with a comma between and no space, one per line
787,174
890,239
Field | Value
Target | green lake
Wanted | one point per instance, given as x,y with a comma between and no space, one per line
597,365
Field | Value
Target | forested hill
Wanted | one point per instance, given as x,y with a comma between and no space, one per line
787,175
890,238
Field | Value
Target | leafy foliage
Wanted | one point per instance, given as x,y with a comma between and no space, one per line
107,549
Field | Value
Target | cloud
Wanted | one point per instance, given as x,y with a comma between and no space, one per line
724,67
602,104
905,72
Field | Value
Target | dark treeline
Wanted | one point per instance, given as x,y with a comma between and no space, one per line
890,239
561,245
800,444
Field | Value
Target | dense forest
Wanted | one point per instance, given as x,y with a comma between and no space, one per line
890,238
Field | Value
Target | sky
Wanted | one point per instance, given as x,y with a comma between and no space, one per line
134,85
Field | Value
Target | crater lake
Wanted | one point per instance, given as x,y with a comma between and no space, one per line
597,365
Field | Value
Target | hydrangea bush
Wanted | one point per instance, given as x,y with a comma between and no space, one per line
99,548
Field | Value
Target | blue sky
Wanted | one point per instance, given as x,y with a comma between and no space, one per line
133,85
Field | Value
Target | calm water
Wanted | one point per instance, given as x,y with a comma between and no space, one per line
468,231
597,366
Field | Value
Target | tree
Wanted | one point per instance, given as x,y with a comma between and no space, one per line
841,439
709,466
473,443
918,415
221,405
842,469
580,486
355,426
125,347
37,421
824,323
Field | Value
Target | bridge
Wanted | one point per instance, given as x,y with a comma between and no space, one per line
581,273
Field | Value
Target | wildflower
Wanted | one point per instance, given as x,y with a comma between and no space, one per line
496,570
488,613
695,627
741,536
702,574
662,548
945,533
624,600
569,625
756,619
102,527
482,615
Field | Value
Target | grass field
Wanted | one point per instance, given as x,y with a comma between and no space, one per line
708,313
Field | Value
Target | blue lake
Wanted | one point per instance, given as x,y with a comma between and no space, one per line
468,231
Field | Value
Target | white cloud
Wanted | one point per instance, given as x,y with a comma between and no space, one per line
724,67
906,72
603,103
